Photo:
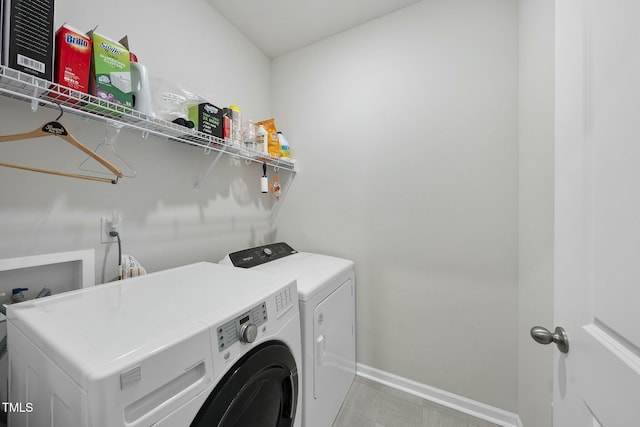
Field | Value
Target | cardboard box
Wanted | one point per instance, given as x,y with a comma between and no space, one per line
73,59
27,43
110,76
207,119
72,64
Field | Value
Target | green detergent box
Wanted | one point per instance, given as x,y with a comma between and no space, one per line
207,119
110,77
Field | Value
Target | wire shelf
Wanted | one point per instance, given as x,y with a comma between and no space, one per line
18,85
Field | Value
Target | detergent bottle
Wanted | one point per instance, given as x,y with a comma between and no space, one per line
140,87
262,141
285,152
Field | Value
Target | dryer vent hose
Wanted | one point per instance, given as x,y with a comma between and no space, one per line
45,292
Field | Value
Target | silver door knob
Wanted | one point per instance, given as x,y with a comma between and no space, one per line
544,336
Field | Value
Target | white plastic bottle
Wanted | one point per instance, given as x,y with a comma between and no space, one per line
262,141
236,125
140,87
284,146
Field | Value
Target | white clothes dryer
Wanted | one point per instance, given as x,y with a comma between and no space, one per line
326,293
199,345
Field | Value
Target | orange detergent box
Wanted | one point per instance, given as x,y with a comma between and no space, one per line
72,60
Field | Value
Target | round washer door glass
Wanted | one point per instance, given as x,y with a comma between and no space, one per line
260,390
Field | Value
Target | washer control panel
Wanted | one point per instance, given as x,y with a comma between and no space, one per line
260,254
243,328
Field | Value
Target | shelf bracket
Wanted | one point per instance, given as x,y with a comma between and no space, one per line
34,101
206,173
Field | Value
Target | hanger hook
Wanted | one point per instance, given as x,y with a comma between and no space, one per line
61,111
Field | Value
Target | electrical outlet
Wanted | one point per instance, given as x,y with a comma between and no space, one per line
106,228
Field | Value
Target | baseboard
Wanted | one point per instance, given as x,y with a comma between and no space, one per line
441,397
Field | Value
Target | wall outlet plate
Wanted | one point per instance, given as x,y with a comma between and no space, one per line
105,228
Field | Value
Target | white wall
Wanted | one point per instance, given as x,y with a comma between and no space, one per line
406,129
164,222
536,119
406,133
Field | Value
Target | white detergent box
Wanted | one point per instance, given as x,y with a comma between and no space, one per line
27,36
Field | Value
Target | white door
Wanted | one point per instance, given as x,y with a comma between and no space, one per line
597,228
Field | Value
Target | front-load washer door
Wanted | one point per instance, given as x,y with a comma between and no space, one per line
260,390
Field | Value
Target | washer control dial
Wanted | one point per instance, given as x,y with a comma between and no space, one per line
248,333
243,328
267,251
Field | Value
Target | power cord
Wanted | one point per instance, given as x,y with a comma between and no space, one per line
117,236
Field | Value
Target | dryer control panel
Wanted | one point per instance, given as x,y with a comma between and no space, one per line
242,327
260,254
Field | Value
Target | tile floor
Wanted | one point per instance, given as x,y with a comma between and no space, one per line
371,404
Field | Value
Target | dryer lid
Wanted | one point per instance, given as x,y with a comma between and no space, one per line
313,272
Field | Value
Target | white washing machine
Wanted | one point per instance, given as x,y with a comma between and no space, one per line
326,293
199,345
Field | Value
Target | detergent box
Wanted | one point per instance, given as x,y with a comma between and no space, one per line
207,118
73,59
27,37
72,62
110,76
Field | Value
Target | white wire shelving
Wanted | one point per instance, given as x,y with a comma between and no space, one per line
18,85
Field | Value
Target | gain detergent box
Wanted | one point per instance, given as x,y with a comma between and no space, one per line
110,77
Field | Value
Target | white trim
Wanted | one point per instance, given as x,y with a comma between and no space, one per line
86,257
441,397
